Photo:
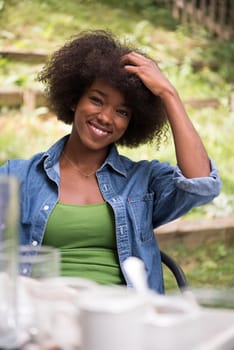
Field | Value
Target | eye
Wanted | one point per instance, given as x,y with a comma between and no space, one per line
96,100
123,113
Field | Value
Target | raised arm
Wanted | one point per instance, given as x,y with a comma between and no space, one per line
191,155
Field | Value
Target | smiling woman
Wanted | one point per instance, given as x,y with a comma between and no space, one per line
100,58
100,119
81,195
103,115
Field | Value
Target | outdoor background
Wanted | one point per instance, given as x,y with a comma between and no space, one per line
199,64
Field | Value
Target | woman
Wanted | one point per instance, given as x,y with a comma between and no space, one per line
81,196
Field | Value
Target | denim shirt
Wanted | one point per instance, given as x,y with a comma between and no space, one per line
143,196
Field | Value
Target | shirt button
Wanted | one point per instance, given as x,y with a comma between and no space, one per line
46,207
34,243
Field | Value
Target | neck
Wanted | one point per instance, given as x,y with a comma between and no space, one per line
84,159
77,168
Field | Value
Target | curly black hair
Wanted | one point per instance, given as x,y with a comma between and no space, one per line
96,54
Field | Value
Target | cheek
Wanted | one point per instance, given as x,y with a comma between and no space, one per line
122,126
79,114
78,119
125,124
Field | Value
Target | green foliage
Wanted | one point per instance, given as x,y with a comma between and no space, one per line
19,74
222,53
2,3
54,21
209,264
23,134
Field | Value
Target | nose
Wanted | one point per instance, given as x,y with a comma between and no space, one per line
106,114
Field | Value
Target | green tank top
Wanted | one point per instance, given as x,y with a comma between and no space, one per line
85,235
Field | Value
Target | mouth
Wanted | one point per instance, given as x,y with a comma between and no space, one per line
98,129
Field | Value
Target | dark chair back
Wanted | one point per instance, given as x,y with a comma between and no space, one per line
176,270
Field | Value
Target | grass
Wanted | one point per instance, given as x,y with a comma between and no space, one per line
204,266
54,21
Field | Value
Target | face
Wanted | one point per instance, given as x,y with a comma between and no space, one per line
101,117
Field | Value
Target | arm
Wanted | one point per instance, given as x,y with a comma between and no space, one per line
191,155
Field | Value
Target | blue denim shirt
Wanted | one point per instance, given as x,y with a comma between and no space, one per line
143,196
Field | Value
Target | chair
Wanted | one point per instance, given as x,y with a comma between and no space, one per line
176,270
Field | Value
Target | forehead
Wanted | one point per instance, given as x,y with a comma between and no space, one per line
107,90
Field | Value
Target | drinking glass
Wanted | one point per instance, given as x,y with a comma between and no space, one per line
9,211
39,262
35,265
9,220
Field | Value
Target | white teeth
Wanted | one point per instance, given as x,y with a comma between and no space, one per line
98,131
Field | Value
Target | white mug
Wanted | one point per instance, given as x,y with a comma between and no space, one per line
110,318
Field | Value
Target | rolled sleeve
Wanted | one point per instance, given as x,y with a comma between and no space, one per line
202,186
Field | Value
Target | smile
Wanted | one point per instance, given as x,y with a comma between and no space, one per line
99,131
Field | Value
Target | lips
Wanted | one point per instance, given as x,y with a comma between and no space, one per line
98,129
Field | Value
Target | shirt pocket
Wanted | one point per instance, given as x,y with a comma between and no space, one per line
141,209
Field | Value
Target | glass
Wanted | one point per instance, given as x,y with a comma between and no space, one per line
35,265
39,262
9,220
213,297
58,313
9,210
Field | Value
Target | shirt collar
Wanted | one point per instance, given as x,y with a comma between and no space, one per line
51,156
113,158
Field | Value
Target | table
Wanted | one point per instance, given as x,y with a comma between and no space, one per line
212,330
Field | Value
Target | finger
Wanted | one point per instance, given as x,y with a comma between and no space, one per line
133,58
131,68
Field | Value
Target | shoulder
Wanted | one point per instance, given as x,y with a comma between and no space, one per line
20,167
149,165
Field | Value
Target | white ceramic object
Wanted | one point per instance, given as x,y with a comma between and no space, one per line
110,318
135,270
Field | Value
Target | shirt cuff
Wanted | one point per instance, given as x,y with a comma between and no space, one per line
204,186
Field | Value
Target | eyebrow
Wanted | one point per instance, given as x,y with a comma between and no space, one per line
100,92
103,94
